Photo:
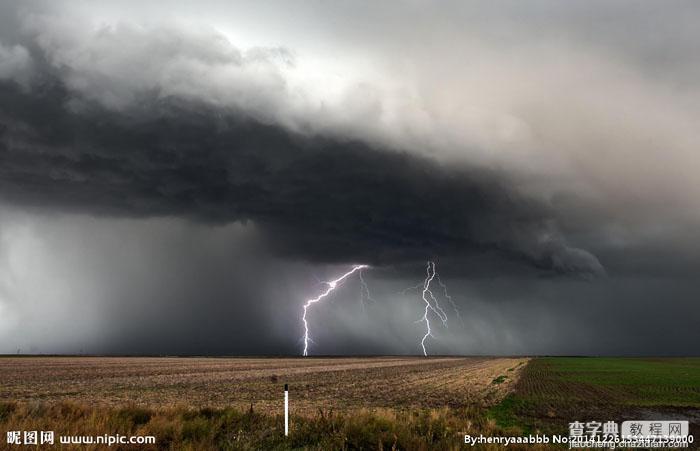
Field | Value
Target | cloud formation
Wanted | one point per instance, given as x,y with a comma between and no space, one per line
201,131
514,142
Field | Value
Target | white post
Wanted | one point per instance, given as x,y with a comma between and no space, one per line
286,410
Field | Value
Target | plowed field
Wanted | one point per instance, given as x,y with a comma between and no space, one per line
341,384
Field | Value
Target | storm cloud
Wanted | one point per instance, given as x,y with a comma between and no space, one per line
322,198
544,155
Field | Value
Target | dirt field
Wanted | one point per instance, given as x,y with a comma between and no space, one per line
338,403
343,384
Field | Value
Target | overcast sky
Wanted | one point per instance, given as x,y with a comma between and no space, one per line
180,177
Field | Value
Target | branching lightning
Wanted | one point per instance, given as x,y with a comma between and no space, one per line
414,287
364,292
426,289
429,298
431,302
449,299
330,287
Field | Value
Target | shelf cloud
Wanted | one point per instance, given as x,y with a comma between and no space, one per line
551,145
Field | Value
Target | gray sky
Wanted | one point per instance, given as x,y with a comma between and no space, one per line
178,178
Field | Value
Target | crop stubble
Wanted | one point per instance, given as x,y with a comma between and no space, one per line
341,384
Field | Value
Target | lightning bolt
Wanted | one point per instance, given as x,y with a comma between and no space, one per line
331,286
449,299
431,302
426,289
415,287
364,292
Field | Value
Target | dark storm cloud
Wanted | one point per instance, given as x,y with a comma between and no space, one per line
153,159
320,199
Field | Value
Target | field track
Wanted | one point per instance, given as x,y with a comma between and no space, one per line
341,384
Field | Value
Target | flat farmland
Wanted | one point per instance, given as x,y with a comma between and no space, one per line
551,392
340,384
338,403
